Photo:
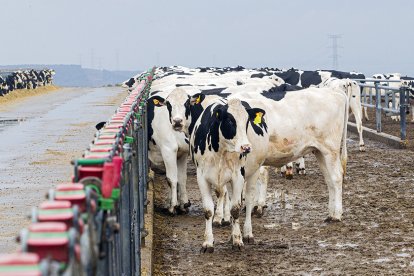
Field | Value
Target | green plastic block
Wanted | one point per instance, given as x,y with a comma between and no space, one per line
116,193
106,204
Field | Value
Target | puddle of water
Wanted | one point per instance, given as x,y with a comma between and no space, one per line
403,255
6,122
280,199
345,245
382,260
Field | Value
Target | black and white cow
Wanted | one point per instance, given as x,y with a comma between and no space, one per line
321,133
220,146
169,149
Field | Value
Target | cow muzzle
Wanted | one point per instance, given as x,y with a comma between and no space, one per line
245,148
177,124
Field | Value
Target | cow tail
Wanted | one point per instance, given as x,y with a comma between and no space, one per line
344,152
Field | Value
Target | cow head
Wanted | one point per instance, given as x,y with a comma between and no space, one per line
232,119
177,104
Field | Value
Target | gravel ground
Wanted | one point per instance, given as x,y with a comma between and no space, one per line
376,236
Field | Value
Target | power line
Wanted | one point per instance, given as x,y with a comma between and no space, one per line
335,56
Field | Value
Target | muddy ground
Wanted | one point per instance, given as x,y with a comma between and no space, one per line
376,236
39,136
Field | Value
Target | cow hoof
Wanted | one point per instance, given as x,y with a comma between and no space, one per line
182,211
216,224
225,223
172,212
331,220
207,249
259,213
238,247
187,205
248,240
289,176
362,148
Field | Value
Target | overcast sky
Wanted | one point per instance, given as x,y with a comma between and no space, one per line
376,36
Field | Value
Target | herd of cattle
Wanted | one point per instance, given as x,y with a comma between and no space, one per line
234,123
27,79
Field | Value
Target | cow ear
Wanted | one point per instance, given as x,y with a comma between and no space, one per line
256,115
100,125
197,99
157,100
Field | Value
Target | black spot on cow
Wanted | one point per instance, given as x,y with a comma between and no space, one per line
213,122
309,78
183,84
214,91
345,75
242,171
169,107
211,84
186,140
151,104
259,125
130,82
239,83
183,74
100,125
277,93
290,76
155,92
258,75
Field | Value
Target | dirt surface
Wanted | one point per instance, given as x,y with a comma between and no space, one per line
389,126
376,236
39,137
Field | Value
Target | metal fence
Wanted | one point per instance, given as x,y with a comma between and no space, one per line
392,101
95,225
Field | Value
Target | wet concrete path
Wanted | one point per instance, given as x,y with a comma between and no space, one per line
39,136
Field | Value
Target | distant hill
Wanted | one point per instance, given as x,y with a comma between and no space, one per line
75,75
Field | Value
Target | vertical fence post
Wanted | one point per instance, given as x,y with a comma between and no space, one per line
125,221
137,200
403,106
378,107
141,173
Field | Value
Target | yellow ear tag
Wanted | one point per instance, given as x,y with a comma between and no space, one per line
217,114
258,119
198,100
156,102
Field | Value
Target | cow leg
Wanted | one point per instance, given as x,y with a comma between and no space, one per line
289,170
182,183
282,171
300,166
250,193
332,171
397,105
358,121
218,214
261,189
227,214
208,206
237,187
170,162
365,113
